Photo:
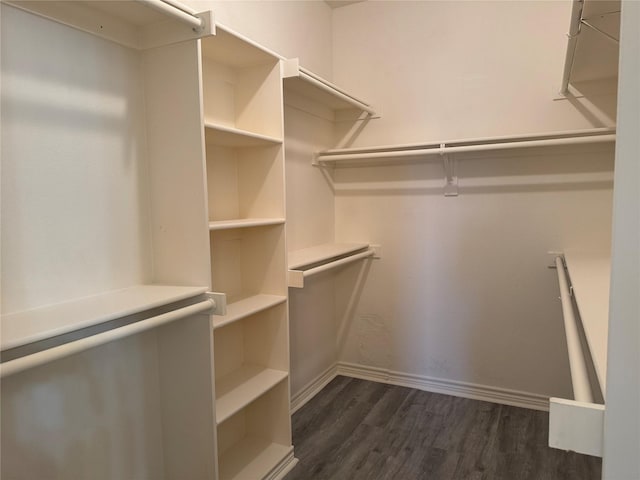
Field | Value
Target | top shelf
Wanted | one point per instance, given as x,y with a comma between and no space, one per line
22,328
593,45
232,49
590,273
308,257
310,85
133,23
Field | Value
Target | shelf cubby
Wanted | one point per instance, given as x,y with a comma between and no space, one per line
245,183
248,261
256,442
239,88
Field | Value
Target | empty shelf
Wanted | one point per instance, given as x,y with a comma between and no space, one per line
238,389
29,326
310,85
250,458
226,136
244,223
298,259
247,306
590,275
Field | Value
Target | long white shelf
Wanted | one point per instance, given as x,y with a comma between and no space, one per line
241,387
306,83
487,144
590,273
30,326
250,458
299,259
137,24
244,223
245,307
311,261
227,136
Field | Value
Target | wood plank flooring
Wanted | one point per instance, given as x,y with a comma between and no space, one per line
355,429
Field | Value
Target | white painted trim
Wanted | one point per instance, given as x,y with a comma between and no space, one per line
282,468
448,387
312,388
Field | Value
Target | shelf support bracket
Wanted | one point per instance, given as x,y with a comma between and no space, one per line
451,180
218,303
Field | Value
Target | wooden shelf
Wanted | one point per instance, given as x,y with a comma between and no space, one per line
252,457
232,49
308,257
307,84
130,23
590,275
247,306
29,326
244,223
241,387
227,136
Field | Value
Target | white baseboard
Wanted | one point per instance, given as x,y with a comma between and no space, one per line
449,387
312,388
282,468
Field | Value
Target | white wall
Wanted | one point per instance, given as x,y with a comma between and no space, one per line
289,28
463,292
446,70
622,417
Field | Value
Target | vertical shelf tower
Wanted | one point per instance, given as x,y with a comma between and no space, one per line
243,124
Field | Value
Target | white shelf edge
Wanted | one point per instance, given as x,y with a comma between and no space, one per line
242,387
306,81
304,257
22,328
256,458
246,307
244,223
252,137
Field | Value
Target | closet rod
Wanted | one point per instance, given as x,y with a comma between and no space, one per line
174,9
77,346
443,149
577,363
335,91
337,263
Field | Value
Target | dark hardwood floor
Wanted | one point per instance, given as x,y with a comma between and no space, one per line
355,429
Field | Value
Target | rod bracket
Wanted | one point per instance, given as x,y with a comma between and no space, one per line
451,179
218,303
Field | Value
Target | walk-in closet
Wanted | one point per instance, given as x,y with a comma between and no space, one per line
298,240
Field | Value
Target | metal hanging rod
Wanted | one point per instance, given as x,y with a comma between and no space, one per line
176,10
480,145
582,391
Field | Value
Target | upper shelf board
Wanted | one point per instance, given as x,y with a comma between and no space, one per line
22,328
310,85
234,50
590,274
133,23
225,136
308,257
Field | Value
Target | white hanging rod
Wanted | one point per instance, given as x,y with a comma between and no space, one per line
45,356
176,10
330,88
296,277
408,151
577,362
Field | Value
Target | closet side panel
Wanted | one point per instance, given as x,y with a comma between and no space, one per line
175,140
74,203
310,221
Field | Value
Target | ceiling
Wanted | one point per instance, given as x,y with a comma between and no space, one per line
341,3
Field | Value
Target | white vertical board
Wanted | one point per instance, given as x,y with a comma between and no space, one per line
576,426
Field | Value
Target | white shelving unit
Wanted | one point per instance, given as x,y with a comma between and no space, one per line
245,178
104,236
